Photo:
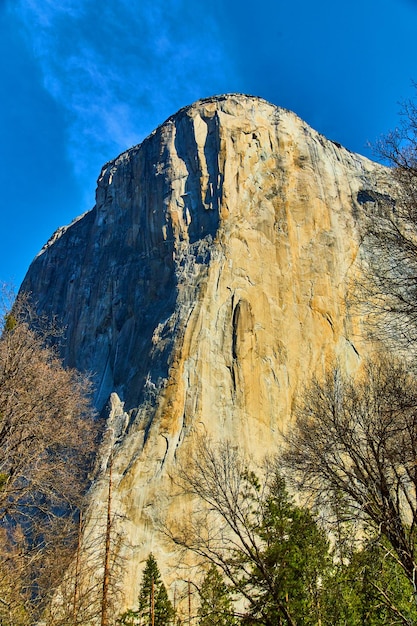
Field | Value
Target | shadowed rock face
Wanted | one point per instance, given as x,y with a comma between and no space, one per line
205,287
113,277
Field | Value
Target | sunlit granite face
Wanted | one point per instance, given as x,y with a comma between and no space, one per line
205,288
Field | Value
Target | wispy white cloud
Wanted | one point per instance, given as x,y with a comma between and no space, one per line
120,69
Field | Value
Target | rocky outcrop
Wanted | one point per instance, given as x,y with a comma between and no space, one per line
205,287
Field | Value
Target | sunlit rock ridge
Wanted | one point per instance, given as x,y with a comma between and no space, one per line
205,287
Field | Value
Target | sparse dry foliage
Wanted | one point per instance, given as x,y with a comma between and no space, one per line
226,507
389,294
47,438
354,445
79,598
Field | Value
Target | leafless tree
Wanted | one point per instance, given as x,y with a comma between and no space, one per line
89,593
47,438
389,294
354,443
46,423
240,523
79,599
216,478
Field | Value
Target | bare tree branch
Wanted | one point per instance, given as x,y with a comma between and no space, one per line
356,439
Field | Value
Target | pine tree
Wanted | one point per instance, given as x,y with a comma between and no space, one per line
155,608
216,606
293,559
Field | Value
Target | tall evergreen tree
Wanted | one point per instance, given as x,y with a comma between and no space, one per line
155,608
294,559
215,603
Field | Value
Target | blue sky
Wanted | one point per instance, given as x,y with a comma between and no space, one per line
83,80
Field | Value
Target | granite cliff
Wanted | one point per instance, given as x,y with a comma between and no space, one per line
204,288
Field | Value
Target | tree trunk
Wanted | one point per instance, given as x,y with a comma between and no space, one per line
106,574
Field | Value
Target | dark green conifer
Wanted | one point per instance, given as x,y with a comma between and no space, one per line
215,603
153,600
287,578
